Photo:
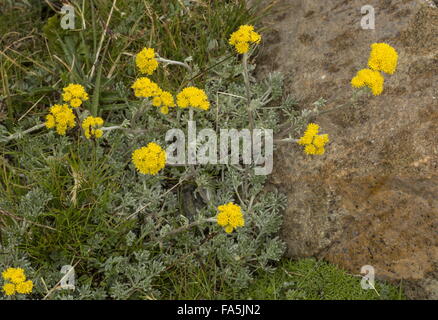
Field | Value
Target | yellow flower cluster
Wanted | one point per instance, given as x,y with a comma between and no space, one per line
145,61
16,282
230,217
149,159
91,127
314,143
243,37
74,94
383,57
61,117
164,100
145,88
370,78
193,97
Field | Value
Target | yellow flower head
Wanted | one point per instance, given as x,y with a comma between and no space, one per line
145,61
164,100
91,127
383,57
312,142
9,289
61,117
24,287
193,97
230,217
309,134
310,149
320,140
149,159
75,102
370,78
14,275
16,282
74,94
243,37
145,88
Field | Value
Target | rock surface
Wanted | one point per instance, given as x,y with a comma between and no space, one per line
372,199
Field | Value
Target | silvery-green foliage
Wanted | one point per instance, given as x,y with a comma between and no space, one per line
124,231
33,203
127,278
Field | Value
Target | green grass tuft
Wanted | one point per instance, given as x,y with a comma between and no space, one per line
309,279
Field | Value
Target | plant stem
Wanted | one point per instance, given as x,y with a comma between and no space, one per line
184,228
111,128
193,170
248,92
286,140
102,40
250,113
96,93
124,129
183,64
19,134
352,102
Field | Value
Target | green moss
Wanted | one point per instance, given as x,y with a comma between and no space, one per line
309,279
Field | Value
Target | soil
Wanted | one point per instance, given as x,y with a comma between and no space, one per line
372,198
